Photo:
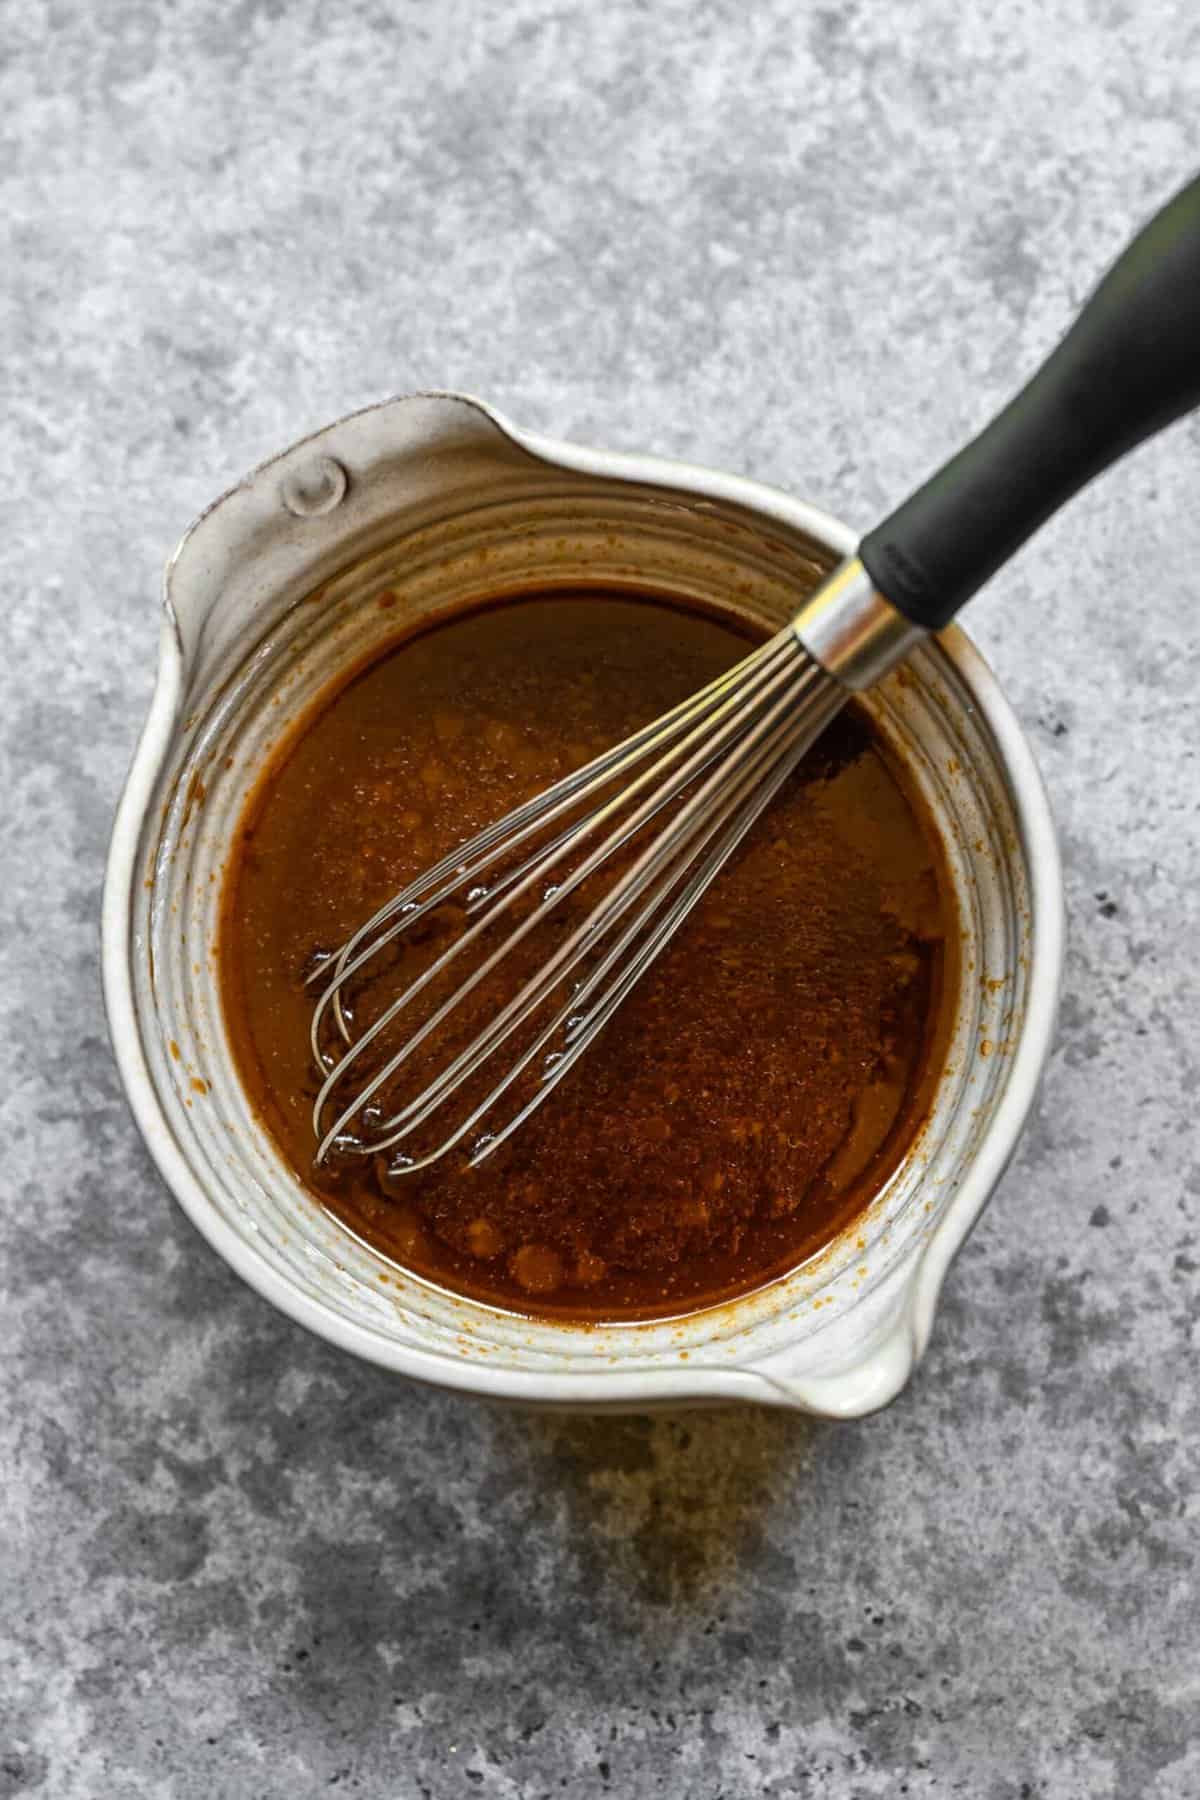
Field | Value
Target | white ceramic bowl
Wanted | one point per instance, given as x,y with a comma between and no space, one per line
271,591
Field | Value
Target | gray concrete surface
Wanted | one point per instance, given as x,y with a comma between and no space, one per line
816,244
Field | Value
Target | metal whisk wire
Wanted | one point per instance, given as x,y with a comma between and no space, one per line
502,837
747,729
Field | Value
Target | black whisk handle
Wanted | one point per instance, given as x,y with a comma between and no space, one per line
1129,365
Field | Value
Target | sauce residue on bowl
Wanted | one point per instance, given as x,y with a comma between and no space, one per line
759,1085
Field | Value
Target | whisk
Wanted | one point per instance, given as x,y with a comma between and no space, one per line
704,772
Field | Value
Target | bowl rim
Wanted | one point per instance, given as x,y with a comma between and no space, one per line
618,1385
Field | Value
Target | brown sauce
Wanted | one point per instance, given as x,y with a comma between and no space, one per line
760,1083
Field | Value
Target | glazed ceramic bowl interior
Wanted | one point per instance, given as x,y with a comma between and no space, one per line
250,667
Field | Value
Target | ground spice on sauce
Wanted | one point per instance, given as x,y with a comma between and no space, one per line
758,1086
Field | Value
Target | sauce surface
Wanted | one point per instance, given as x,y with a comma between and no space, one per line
756,1088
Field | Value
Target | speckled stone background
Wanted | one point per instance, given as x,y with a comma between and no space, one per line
816,244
